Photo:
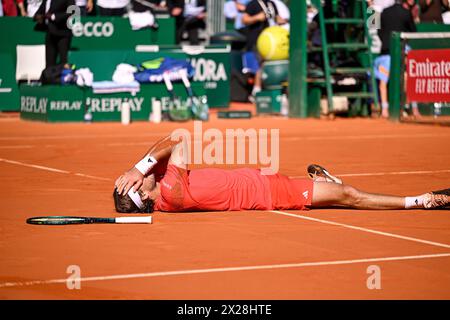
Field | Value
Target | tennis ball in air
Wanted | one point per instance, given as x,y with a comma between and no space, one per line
273,43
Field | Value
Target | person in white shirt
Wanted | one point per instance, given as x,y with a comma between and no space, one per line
380,5
85,6
32,7
112,7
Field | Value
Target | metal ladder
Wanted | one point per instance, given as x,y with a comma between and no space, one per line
329,51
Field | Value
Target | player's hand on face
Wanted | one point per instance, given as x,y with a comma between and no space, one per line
133,178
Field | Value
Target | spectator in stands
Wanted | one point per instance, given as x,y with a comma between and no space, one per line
10,8
190,17
86,6
446,17
52,17
115,8
394,18
32,7
155,6
431,10
380,5
413,7
259,14
234,9
283,12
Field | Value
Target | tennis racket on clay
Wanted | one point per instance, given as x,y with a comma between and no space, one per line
64,220
175,114
199,105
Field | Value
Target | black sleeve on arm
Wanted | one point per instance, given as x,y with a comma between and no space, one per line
175,4
64,15
40,10
423,4
411,26
380,30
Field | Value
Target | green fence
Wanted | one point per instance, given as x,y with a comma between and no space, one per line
9,93
92,33
212,66
418,40
68,103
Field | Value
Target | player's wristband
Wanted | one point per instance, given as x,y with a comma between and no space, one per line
146,164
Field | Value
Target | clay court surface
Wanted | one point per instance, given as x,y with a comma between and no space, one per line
69,169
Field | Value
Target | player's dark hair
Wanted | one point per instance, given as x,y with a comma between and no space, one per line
124,204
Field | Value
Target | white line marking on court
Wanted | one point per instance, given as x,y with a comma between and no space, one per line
361,137
149,134
348,226
34,166
384,173
226,269
157,134
292,177
118,144
17,147
91,177
112,144
10,119
52,169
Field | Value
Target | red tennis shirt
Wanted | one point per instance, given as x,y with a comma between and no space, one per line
213,189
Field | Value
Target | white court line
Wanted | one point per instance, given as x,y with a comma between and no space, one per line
17,147
348,226
112,144
369,174
91,177
156,134
361,137
226,269
52,169
149,134
292,177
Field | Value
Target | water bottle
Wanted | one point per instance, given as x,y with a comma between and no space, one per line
125,113
437,109
155,116
88,116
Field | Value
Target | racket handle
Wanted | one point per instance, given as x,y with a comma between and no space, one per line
146,219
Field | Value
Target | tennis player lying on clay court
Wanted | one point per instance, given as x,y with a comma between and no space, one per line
162,181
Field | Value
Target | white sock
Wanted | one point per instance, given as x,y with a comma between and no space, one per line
385,105
414,202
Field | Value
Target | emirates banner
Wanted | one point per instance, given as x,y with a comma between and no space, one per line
428,75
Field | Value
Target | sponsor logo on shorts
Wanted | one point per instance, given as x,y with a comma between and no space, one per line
306,194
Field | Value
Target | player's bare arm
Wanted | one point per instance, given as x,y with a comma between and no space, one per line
134,177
